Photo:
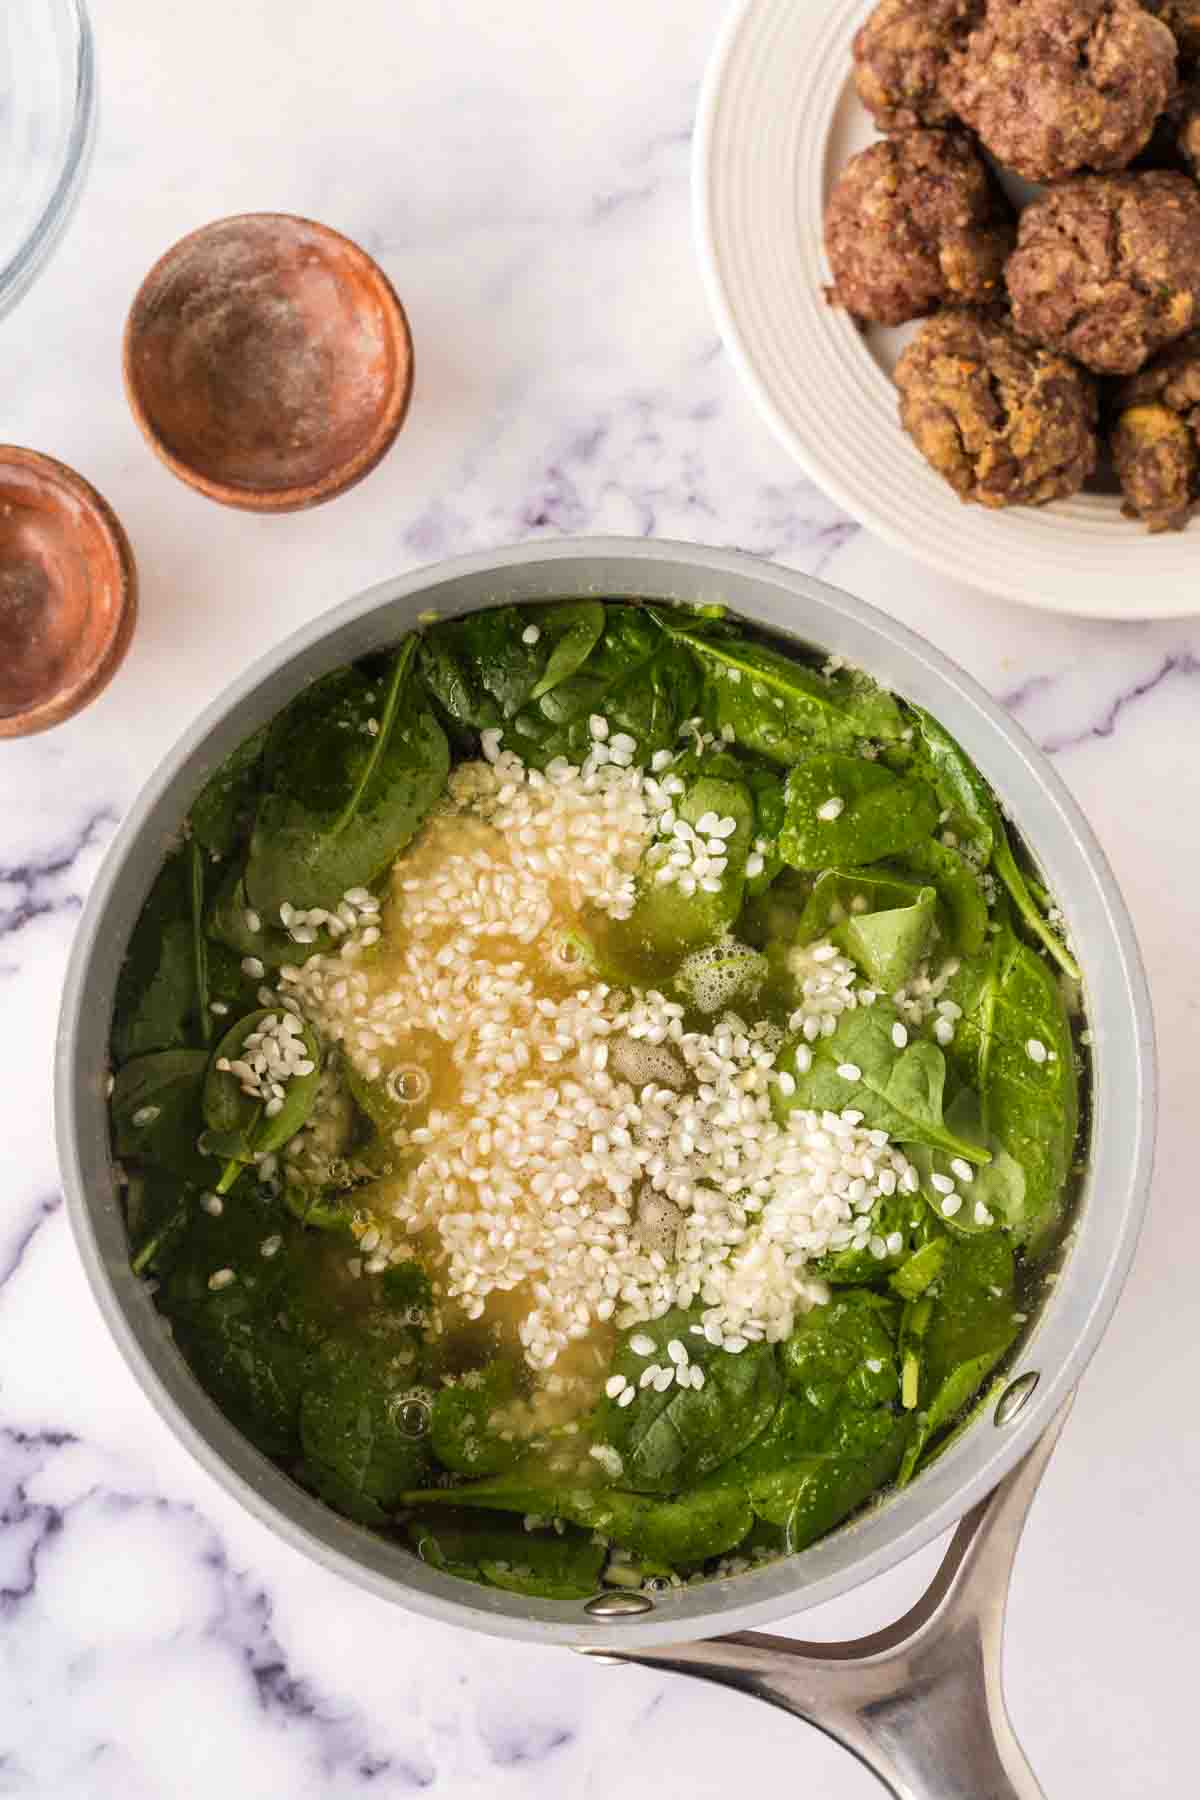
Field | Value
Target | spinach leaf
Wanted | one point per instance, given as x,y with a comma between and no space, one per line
156,1113
643,683
976,815
995,1195
959,890
708,1520
156,1003
342,800
667,1441
920,1270
571,632
896,1090
464,1431
229,924
881,814
836,1436
775,706
240,1125
905,1215
667,921
222,810
885,925
1013,1010
157,1207
770,812
969,1327
249,1351
363,1423
553,1565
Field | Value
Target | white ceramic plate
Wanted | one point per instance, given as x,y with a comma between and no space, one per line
778,118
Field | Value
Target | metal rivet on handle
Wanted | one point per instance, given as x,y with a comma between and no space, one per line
1012,1400
618,1606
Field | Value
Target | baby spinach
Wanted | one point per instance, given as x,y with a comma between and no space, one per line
353,767
229,924
239,1125
552,1565
976,815
223,809
880,814
920,1270
1013,1009
777,707
708,1520
156,1113
667,1441
905,1215
964,1333
665,920
464,1431
885,925
157,1208
156,1001
959,890
358,1443
997,1190
897,1090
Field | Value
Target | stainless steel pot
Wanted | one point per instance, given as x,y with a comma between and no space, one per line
922,1703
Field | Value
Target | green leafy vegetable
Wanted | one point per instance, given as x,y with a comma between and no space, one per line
343,799
225,805
156,1000
959,890
775,706
883,924
976,815
363,1422
669,1440
156,1113
995,1195
963,1335
465,1431
845,811
552,1565
667,921
897,1090
241,1125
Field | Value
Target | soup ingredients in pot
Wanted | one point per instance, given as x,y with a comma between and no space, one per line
596,1092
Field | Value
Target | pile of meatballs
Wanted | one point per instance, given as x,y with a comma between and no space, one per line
1080,319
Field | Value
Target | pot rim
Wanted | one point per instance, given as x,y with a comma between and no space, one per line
1111,1208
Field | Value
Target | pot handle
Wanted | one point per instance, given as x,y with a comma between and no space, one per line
921,1702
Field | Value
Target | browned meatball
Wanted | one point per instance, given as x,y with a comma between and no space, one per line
1055,86
1186,120
1156,438
1182,19
914,221
1107,267
900,58
1007,424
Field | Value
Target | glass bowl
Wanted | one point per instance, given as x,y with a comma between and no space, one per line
47,115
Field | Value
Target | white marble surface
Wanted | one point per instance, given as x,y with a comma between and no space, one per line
522,172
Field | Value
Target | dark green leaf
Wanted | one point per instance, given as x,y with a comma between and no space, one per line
156,1113
235,1117
881,815
998,1190
155,1006
572,633
886,926
776,707
959,889
229,925
553,1565
966,1332
668,1441
221,813
361,1423
666,922
343,801
896,1090
467,1426
918,1271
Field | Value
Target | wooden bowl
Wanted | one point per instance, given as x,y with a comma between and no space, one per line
268,362
68,592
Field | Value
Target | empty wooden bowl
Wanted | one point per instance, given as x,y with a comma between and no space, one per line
268,362
68,592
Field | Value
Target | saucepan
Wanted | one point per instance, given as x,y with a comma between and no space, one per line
921,1703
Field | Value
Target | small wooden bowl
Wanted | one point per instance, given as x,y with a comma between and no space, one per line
68,592
268,362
